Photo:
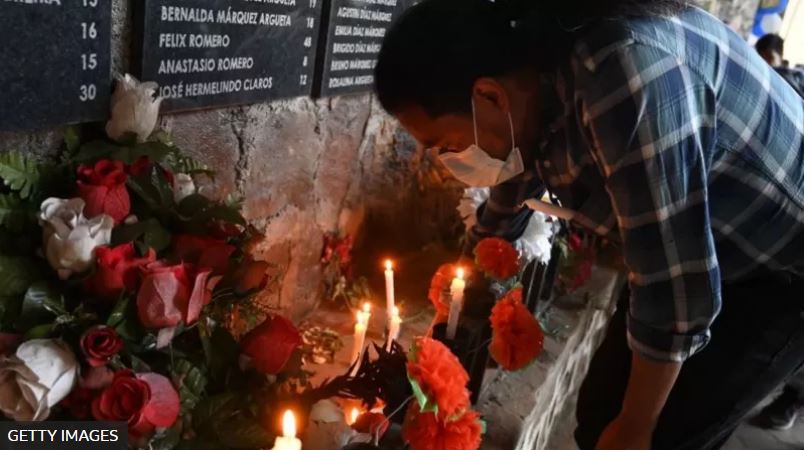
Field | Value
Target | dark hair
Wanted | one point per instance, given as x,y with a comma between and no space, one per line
770,42
432,55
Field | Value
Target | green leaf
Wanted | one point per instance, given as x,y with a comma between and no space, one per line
244,432
222,354
19,172
185,164
155,190
119,312
95,150
14,214
192,384
425,405
9,311
38,332
167,438
139,365
213,409
151,231
17,274
41,304
190,206
71,140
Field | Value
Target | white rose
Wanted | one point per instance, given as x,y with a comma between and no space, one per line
39,375
135,109
69,238
327,428
536,242
183,187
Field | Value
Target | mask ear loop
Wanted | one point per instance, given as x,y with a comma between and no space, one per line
511,123
474,120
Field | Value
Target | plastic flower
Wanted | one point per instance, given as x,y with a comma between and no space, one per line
99,344
439,376
517,337
425,431
40,374
145,401
170,295
203,251
269,346
117,270
439,291
69,238
497,258
103,188
135,109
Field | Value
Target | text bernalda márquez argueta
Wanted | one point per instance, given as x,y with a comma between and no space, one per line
97,435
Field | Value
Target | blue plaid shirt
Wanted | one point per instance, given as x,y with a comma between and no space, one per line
676,136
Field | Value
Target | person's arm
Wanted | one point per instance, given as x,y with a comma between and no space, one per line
503,215
650,121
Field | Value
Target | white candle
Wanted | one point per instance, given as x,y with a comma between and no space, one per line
389,288
456,303
288,440
393,328
361,326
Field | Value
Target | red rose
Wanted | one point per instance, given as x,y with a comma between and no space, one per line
143,166
270,345
440,376
497,257
517,337
79,403
374,424
575,242
203,251
425,431
103,188
170,295
439,291
99,344
145,401
117,270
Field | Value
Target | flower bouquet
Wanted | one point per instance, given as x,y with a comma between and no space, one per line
123,290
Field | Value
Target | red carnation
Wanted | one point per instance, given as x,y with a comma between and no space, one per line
270,345
145,401
117,270
103,188
439,291
374,424
440,376
170,295
517,337
99,344
425,431
497,257
203,251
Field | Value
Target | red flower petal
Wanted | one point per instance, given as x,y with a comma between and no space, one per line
440,375
497,257
517,337
425,431
271,344
163,298
201,295
163,408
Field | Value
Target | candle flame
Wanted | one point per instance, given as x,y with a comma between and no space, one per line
367,308
289,424
353,418
389,265
459,273
395,311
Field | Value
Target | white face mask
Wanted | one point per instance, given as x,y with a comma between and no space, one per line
475,167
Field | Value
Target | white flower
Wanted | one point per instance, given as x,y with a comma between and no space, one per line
183,187
471,200
69,238
39,375
327,428
135,109
536,243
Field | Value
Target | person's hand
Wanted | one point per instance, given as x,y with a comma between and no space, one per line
622,434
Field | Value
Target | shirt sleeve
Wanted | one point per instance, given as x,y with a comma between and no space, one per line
503,215
650,120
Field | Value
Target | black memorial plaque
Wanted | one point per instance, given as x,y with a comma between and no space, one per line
354,33
206,53
54,62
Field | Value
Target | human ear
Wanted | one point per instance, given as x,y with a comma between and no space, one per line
488,92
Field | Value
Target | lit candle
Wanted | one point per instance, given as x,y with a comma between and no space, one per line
361,326
354,416
393,328
288,440
456,303
389,288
